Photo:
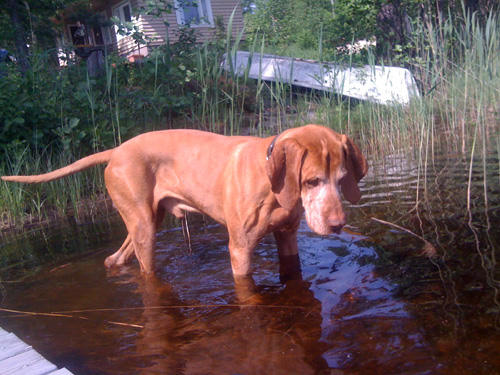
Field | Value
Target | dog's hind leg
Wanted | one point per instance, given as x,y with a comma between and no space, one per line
122,256
142,232
130,188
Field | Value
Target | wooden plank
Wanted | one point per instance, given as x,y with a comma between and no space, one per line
19,358
62,371
28,362
10,345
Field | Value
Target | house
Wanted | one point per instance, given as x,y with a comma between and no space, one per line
94,32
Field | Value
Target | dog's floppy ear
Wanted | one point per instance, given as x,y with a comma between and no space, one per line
283,169
357,168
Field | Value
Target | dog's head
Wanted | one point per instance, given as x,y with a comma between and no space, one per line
311,165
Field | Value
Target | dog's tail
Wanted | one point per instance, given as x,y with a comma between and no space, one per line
79,165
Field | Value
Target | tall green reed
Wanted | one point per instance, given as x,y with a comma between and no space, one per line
25,204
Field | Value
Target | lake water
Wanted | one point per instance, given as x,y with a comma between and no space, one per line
369,302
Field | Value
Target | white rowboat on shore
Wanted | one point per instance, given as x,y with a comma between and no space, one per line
380,84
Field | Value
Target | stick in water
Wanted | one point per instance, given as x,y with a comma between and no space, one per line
429,249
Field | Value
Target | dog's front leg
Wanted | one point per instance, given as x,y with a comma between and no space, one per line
288,253
246,290
240,250
241,246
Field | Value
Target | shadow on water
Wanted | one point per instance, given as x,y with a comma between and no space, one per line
369,303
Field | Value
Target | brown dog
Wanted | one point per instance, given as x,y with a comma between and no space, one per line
253,186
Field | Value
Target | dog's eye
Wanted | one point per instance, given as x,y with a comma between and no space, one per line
313,182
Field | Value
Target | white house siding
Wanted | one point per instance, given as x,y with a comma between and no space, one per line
225,9
155,28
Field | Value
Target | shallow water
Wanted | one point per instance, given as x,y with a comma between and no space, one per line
369,302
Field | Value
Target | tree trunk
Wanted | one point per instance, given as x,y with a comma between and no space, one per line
14,8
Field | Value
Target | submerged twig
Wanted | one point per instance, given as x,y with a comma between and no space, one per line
124,324
170,307
68,314
57,268
429,249
60,315
65,315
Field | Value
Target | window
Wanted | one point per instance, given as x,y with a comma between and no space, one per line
101,31
123,11
79,35
194,12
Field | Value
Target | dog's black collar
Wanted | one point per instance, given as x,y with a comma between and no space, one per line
271,147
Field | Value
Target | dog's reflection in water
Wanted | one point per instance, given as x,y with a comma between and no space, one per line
263,330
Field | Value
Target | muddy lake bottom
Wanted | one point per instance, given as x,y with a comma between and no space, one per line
368,303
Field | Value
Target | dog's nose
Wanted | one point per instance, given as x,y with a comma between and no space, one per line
336,224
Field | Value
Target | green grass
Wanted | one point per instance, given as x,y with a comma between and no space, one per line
28,204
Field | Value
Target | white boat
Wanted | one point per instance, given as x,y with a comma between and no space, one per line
380,84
